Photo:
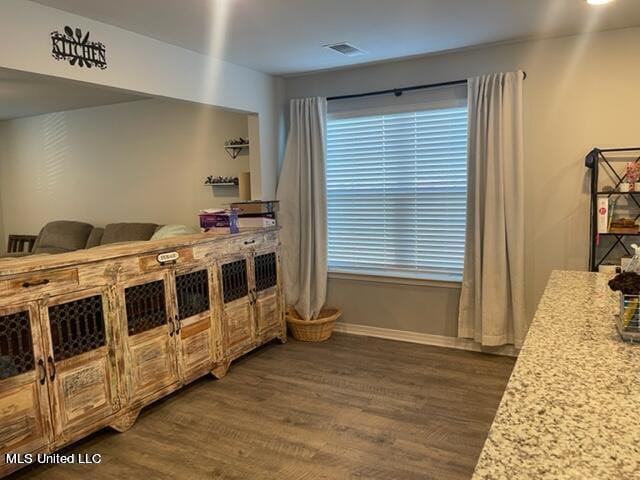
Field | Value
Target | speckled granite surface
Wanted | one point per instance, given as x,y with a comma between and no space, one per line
571,409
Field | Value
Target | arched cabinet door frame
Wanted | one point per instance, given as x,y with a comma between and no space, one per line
146,313
25,417
193,303
81,364
266,292
236,310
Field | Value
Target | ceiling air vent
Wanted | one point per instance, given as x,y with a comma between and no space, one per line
345,48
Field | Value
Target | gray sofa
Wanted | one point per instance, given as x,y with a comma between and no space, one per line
67,236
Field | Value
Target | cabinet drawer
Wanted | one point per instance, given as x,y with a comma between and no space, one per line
52,282
107,272
258,240
233,246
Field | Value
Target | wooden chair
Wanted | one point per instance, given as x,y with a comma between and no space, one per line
21,243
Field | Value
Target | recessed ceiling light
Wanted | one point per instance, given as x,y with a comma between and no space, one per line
598,2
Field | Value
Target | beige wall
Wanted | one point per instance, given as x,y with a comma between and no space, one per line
142,64
581,92
395,305
139,161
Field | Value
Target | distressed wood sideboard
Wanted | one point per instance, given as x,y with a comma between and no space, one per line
88,338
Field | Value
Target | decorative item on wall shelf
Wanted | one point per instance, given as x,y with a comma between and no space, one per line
212,181
235,146
239,142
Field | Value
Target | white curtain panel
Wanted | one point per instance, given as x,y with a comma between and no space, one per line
303,207
492,298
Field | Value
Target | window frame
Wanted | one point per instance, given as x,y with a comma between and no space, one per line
398,276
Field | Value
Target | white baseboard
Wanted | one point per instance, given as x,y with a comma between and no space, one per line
423,338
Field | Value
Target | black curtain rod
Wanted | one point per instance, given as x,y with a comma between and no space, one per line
399,91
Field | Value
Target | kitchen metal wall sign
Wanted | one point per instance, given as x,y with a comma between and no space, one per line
77,49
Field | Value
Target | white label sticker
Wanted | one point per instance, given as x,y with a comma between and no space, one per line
168,257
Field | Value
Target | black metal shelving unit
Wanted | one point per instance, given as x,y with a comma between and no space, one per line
605,158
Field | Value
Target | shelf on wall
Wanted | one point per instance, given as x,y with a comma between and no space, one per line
234,150
220,184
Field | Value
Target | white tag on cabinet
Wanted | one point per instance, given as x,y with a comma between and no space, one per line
168,257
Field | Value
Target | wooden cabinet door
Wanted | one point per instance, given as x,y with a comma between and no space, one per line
150,346
25,419
80,362
194,331
266,292
236,309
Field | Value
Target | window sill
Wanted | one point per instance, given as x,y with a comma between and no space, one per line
372,277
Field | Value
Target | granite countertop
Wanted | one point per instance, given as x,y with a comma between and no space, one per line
571,409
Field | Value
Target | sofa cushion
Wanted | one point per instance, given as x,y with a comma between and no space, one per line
170,231
15,255
95,237
62,236
127,232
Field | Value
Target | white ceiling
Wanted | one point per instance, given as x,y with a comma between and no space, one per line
286,36
26,94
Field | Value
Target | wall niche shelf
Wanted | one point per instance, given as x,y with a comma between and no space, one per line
235,150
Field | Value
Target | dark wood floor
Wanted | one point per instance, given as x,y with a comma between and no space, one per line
353,407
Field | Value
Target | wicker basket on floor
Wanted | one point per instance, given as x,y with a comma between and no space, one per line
317,330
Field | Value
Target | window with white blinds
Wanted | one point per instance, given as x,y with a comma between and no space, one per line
396,193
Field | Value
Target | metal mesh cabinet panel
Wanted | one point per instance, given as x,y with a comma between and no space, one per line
234,280
16,347
76,327
193,293
266,271
146,307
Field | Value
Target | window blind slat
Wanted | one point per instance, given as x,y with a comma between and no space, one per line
396,192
